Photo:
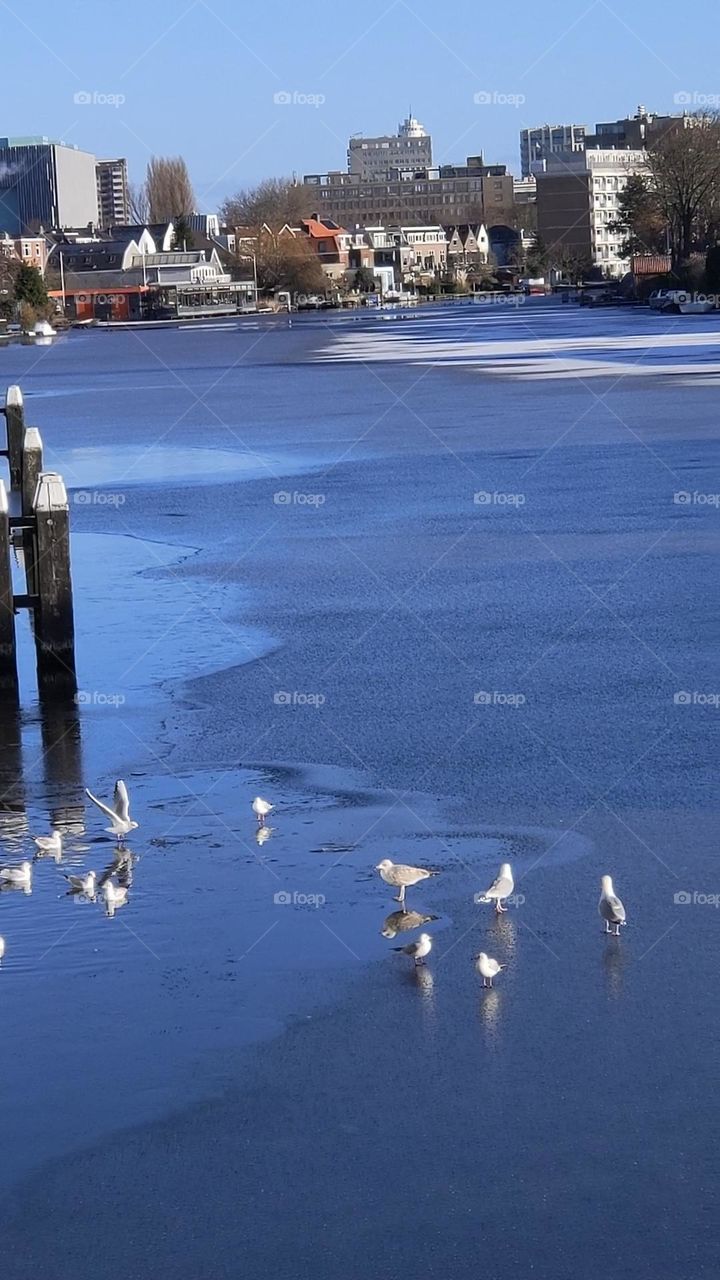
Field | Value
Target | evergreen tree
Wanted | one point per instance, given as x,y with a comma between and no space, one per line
30,287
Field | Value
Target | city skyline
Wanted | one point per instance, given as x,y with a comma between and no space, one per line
264,109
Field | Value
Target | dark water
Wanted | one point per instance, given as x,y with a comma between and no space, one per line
286,584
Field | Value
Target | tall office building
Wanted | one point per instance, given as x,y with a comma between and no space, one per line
536,145
112,193
577,205
374,159
45,183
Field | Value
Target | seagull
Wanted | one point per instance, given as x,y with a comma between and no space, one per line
50,846
114,896
21,875
487,967
119,815
610,907
402,921
418,950
83,884
402,877
501,887
2,948
261,809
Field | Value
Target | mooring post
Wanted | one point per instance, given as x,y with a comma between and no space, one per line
8,662
54,626
32,458
15,420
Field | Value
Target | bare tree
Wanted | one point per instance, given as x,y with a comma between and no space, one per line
138,202
273,203
684,176
168,188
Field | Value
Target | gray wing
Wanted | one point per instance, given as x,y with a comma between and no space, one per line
121,800
612,910
500,888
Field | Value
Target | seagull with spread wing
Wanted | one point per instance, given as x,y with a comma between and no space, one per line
119,815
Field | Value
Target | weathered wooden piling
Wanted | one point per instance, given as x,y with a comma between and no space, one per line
31,466
15,421
8,659
54,625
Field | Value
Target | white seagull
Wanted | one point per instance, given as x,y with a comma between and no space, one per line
261,808
114,896
402,877
49,846
610,907
418,950
119,815
501,887
21,875
488,967
2,948
83,884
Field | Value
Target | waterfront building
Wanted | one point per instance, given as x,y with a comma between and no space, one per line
45,183
32,250
577,203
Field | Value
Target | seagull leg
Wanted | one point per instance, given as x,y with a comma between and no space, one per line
401,895
607,926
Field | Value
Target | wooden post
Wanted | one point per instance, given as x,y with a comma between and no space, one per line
32,457
54,626
15,419
8,663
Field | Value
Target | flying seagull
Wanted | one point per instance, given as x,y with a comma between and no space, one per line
21,875
49,846
488,967
83,884
501,887
402,877
418,950
119,815
261,809
610,907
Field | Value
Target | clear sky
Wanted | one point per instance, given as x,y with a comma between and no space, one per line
199,77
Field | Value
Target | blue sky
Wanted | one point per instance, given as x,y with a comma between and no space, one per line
199,77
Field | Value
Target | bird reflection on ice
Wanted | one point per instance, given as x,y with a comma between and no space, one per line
614,965
490,1010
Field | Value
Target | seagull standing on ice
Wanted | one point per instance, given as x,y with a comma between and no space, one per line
261,808
119,815
488,967
114,896
610,907
21,875
501,887
402,877
49,846
418,950
83,884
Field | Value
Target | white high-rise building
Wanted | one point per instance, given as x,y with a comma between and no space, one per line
373,159
577,201
537,145
608,175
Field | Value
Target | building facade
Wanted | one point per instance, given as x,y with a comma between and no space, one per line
32,250
371,159
112,192
45,184
577,203
449,195
547,140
